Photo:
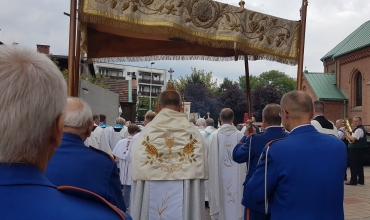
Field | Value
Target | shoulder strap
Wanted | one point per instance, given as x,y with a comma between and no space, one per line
91,196
102,152
268,145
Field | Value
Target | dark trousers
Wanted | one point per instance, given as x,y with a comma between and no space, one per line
355,165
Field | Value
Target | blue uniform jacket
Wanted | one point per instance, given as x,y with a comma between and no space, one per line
27,194
241,155
305,173
75,164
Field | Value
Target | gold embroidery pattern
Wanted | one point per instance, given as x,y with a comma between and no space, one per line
204,22
228,160
169,162
163,208
229,193
207,13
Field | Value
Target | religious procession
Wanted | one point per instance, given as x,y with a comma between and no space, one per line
113,141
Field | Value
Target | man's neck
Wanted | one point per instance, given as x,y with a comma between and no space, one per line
73,131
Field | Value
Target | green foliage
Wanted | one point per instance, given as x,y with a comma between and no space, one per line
252,79
142,107
281,81
226,84
99,80
197,76
56,62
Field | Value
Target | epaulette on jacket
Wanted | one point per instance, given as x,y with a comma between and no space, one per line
269,143
102,152
83,193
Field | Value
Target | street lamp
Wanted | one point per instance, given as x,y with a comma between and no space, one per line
150,91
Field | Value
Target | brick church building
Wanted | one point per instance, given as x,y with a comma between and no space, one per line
344,86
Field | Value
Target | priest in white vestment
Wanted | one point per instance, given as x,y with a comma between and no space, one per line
121,151
225,184
169,166
201,122
99,139
210,127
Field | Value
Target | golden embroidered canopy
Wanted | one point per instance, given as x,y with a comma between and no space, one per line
134,30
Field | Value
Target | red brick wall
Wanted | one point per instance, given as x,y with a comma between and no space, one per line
307,88
334,110
45,49
347,71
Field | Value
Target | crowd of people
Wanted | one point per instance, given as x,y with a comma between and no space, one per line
73,165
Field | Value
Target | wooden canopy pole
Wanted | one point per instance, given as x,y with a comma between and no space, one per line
76,79
72,46
301,46
248,90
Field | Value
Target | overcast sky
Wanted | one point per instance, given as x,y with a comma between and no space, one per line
31,22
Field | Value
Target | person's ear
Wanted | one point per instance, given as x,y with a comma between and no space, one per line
89,129
56,132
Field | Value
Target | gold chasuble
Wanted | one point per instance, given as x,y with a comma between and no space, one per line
169,148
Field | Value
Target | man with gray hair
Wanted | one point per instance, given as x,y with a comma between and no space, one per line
120,128
87,167
210,127
201,123
30,78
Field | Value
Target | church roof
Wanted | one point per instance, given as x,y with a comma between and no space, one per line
324,86
358,39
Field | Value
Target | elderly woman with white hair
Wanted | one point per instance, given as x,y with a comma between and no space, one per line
33,89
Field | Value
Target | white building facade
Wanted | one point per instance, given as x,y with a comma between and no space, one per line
146,78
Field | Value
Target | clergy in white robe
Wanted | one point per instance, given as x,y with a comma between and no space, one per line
169,166
111,136
225,184
121,151
100,140
210,127
201,122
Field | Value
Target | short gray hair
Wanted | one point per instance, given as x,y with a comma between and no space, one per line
120,120
32,89
201,122
81,117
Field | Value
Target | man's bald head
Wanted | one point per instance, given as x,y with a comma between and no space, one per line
78,117
297,109
297,104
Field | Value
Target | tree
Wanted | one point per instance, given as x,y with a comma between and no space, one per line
197,76
143,107
201,101
252,80
236,99
56,62
226,83
282,82
263,96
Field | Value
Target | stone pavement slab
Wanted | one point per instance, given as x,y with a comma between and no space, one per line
357,199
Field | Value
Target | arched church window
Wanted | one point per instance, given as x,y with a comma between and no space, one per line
358,88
